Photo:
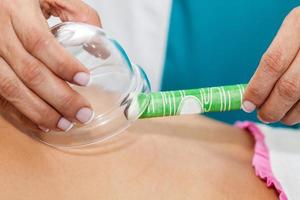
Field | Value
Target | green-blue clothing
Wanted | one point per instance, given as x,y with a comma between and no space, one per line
213,43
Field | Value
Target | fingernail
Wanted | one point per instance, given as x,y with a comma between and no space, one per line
64,124
46,130
82,78
260,119
248,106
85,115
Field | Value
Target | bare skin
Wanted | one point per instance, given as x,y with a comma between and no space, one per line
173,158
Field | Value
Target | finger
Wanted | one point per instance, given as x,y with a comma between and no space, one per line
284,95
29,104
38,41
293,116
274,63
43,82
75,10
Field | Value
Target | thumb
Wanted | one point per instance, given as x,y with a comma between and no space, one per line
70,10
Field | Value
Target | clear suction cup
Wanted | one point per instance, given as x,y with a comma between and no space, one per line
115,83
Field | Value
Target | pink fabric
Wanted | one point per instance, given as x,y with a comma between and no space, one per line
261,160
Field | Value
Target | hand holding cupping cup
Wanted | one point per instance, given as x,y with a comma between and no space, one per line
35,68
275,87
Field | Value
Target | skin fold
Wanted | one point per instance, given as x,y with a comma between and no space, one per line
186,157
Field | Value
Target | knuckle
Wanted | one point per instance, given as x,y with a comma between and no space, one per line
31,72
272,63
287,89
69,103
38,43
9,88
255,94
66,68
62,65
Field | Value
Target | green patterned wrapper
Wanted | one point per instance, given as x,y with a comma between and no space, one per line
194,101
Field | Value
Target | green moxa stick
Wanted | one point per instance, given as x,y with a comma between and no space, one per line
194,101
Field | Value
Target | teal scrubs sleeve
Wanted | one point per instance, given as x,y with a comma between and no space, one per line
214,43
